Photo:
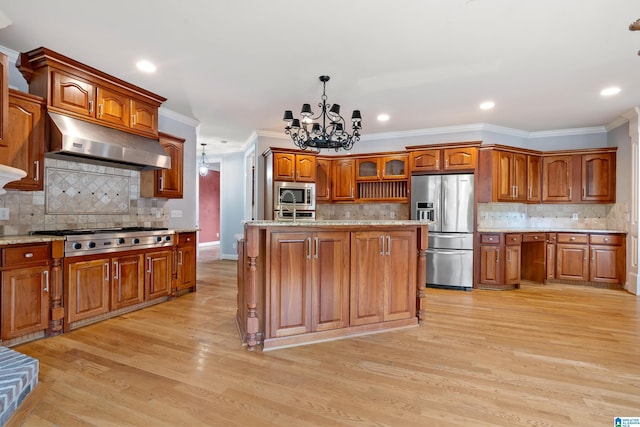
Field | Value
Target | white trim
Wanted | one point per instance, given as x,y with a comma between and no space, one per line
207,244
12,54
567,132
169,114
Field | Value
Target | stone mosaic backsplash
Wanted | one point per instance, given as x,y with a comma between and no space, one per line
549,216
363,211
79,196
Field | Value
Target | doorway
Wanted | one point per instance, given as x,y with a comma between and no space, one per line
209,209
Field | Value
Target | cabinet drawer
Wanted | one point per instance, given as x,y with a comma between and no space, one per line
534,237
573,238
551,237
25,255
186,238
605,239
513,239
490,239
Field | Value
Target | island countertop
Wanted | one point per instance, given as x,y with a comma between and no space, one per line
337,223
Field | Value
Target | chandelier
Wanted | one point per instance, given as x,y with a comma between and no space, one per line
203,170
326,130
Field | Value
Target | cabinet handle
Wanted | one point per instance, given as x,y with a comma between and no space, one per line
570,193
551,252
28,255
584,191
446,163
315,255
586,254
516,190
46,280
133,119
115,270
297,174
179,257
531,192
99,110
497,255
593,254
90,107
160,183
308,247
382,245
106,269
149,265
352,192
388,245
437,160
37,174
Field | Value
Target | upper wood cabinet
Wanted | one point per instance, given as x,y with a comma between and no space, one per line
4,97
323,180
166,183
25,140
343,179
452,157
72,88
294,167
508,175
391,167
583,177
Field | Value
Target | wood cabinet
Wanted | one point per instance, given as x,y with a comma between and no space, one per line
343,180
25,140
512,259
491,269
25,289
157,274
294,167
87,290
607,262
323,180
72,88
454,157
127,287
572,257
4,97
382,276
391,167
186,261
583,177
166,183
309,282
508,175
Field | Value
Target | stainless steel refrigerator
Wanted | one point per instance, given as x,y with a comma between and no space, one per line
448,201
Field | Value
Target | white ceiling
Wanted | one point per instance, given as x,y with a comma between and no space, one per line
235,66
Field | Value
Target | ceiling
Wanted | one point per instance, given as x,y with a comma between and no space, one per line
236,66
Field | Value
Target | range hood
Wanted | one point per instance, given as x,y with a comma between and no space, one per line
80,141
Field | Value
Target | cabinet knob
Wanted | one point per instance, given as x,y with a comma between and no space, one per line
28,255
606,239
573,238
535,237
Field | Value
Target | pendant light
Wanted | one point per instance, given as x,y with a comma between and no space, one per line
204,168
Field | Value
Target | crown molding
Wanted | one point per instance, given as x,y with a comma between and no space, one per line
12,54
170,114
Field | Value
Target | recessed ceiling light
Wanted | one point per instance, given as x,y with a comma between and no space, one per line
487,105
146,66
383,117
610,91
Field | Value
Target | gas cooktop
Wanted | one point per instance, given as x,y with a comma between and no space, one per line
77,232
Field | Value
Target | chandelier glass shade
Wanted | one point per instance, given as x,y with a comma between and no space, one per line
326,130
203,170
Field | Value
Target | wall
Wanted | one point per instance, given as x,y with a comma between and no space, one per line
232,197
209,207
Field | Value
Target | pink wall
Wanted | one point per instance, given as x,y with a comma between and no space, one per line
210,207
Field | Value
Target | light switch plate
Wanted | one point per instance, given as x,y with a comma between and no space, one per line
4,214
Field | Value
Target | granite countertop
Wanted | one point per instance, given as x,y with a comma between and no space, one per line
321,223
549,230
20,240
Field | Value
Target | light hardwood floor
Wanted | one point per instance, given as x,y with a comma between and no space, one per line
554,355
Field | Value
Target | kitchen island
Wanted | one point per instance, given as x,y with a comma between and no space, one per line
307,281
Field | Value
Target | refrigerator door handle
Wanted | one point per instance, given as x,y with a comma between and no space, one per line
441,252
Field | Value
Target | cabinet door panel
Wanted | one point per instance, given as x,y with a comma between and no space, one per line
367,269
144,117
284,167
598,177
605,264
128,281
113,107
186,267
490,266
533,178
72,94
88,289
24,301
460,158
399,300
512,264
572,262
158,274
505,172
425,161
519,177
305,168
330,304
342,180
4,98
557,175
290,284
323,180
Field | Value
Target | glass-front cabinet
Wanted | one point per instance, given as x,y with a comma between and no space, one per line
381,168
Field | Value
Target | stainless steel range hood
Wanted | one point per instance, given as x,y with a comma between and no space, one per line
80,141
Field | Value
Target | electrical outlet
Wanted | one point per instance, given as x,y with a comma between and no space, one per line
176,214
4,214
393,214
158,213
574,217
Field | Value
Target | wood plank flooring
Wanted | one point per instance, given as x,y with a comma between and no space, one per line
554,355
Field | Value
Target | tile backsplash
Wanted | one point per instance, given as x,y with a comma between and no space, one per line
78,196
549,216
368,211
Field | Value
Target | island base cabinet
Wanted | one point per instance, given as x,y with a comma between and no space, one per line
309,282
382,276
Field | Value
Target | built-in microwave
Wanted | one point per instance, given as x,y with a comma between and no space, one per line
285,192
